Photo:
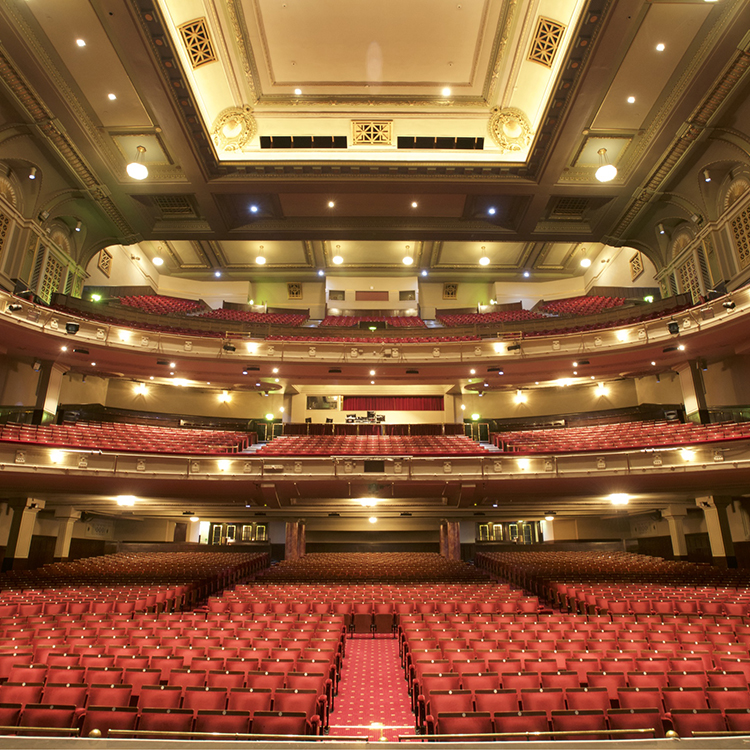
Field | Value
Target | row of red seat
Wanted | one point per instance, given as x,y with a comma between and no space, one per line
248,316
618,436
372,445
479,319
158,304
120,436
586,305
313,337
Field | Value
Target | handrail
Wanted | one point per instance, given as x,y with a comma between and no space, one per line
556,733
234,735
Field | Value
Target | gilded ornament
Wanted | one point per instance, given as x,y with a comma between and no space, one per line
234,128
510,129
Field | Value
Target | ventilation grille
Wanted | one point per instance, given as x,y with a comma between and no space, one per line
546,41
636,266
703,264
303,141
105,262
741,233
689,279
447,143
36,275
198,42
294,290
174,206
372,132
52,278
450,290
570,207
4,231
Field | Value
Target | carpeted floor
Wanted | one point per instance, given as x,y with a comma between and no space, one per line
372,690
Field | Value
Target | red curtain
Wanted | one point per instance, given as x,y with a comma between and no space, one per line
393,403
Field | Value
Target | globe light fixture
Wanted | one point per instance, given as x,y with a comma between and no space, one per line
606,172
137,169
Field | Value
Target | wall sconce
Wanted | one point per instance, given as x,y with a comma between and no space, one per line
32,173
660,228
78,226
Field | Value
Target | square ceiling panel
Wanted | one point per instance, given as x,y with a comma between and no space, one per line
241,254
501,254
341,43
362,254
372,204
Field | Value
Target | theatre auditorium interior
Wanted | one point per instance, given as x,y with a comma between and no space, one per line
374,373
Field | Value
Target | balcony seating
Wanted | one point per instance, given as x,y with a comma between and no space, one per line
619,436
118,436
157,304
452,320
248,316
581,305
372,445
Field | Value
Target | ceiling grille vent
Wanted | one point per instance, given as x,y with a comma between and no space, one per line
372,133
174,206
198,42
570,207
546,41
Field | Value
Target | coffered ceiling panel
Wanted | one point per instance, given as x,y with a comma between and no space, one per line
275,253
501,254
369,204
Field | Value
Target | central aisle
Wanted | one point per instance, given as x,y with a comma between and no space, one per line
372,689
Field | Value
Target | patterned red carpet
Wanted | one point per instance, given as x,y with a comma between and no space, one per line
372,690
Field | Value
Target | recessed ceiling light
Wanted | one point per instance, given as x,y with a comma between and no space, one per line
331,204
414,204
63,348
217,274
484,261
653,364
297,92
372,372
446,91
585,262
254,209
424,273
111,97
660,47
472,372
526,274
372,382
81,42
321,272
338,260
158,261
275,370
631,100
93,364
491,211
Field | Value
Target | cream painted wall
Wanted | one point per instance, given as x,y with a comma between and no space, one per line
469,294
727,383
615,270
131,267
74,390
555,400
19,383
529,292
276,294
193,401
148,530
666,391
393,285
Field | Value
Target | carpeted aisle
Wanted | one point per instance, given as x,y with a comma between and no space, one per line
372,690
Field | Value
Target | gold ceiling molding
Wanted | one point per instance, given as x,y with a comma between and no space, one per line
234,128
501,42
510,129
237,21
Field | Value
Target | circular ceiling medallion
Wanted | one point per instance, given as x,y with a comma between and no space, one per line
234,128
510,129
